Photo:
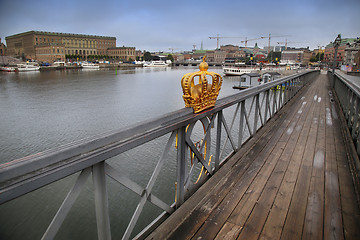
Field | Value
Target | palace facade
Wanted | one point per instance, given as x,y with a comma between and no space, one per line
52,46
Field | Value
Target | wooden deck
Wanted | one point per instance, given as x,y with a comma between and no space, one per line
291,181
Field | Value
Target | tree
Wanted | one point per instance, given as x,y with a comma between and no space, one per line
273,56
170,57
147,56
318,57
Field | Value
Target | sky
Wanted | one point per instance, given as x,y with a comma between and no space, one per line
166,25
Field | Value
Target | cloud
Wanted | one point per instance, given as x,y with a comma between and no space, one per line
159,24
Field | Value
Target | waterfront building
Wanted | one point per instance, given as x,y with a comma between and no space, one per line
122,53
352,55
50,45
292,56
2,49
50,52
340,57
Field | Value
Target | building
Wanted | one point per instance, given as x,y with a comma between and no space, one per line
270,76
340,57
233,53
28,44
351,54
122,53
2,49
250,80
293,56
50,52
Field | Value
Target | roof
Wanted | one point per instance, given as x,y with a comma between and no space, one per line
272,73
58,34
343,42
251,74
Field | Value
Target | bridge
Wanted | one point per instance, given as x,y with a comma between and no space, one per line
280,160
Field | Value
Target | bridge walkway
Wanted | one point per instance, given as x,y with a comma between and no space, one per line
292,180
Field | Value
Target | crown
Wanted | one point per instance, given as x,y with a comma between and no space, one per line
202,95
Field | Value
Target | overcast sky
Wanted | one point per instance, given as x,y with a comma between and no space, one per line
155,25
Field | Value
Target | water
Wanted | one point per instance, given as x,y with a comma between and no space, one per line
42,110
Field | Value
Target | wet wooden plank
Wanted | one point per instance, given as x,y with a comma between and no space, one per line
275,221
229,231
333,225
294,223
267,201
249,196
313,225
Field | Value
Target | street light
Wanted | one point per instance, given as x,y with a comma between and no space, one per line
336,46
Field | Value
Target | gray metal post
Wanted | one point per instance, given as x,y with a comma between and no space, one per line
218,141
101,202
180,171
241,124
256,118
267,105
336,45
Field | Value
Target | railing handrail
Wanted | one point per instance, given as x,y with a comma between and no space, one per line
349,84
76,154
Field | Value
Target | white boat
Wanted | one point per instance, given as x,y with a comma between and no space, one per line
239,70
59,64
156,64
90,65
8,69
26,67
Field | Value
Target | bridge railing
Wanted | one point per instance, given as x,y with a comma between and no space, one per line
349,97
196,155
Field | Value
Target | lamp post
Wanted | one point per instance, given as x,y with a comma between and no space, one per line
336,46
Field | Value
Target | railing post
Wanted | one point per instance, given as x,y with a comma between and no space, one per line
180,171
355,126
274,101
218,140
267,93
256,118
101,202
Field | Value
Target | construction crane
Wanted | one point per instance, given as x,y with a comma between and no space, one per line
247,40
286,42
218,39
172,49
274,37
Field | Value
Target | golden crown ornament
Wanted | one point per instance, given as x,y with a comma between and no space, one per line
202,95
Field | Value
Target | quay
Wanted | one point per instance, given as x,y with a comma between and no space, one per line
275,161
292,180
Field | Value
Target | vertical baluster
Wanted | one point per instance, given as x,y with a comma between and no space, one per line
274,101
355,117
256,118
180,171
218,141
267,93
241,124
286,92
101,202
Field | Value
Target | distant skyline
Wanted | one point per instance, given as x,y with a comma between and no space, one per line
160,25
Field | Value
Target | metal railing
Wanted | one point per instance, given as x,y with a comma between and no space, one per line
233,120
349,97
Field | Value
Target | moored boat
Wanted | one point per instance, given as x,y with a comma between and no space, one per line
156,64
26,67
239,70
90,65
8,69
